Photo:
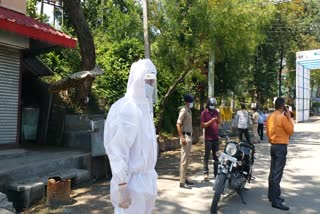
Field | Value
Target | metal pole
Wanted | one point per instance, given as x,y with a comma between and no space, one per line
297,92
211,76
62,21
146,30
41,11
54,14
147,45
303,88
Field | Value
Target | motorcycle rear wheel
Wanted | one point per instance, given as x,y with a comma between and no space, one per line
219,186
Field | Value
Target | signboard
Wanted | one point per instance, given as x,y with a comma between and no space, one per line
308,55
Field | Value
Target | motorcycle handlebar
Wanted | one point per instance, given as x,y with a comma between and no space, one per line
225,135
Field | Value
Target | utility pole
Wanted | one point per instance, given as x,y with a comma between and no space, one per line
146,30
41,11
211,76
62,21
54,14
147,46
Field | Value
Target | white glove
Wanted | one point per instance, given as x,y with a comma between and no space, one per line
124,196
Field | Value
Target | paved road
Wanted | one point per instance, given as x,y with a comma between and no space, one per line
300,183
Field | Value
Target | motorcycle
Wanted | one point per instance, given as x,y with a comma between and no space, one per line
235,169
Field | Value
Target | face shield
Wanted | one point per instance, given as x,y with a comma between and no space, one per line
151,87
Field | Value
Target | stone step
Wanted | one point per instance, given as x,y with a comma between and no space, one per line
12,153
24,192
5,211
38,163
5,205
23,177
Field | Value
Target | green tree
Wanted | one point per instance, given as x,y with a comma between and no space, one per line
179,47
32,11
238,30
188,32
292,29
119,42
304,24
248,39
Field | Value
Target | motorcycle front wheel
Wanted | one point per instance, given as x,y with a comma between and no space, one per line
219,186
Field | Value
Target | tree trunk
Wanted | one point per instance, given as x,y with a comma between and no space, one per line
87,48
166,97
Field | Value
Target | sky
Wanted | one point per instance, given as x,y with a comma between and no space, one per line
47,9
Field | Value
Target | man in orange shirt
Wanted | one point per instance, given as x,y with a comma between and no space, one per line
279,129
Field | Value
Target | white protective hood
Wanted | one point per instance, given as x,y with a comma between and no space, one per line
136,84
130,138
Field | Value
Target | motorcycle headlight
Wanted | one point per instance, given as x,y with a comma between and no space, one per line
231,149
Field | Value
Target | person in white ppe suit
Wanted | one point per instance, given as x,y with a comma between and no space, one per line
131,145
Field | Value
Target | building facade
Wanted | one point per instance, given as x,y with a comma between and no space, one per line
22,39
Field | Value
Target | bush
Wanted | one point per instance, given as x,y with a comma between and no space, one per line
315,104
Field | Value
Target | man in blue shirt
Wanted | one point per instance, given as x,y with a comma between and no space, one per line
261,120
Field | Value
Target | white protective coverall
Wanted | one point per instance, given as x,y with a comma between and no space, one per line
130,143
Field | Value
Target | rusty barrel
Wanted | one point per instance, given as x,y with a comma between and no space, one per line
58,191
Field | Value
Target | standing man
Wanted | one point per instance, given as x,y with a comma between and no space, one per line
261,120
255,118
210,121
184,128
131,145
279,128
242,118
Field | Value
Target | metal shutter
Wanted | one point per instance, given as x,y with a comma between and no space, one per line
9,93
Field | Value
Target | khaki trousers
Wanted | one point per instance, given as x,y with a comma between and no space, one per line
255,133
184,161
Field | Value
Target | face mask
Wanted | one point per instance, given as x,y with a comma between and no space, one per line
148,90
211,107
190,105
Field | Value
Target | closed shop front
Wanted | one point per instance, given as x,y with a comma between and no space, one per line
9,94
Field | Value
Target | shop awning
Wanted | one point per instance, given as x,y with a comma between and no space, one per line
34,65
23,25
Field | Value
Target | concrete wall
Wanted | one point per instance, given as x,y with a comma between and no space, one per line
16,5
78,134
14,40
77,130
